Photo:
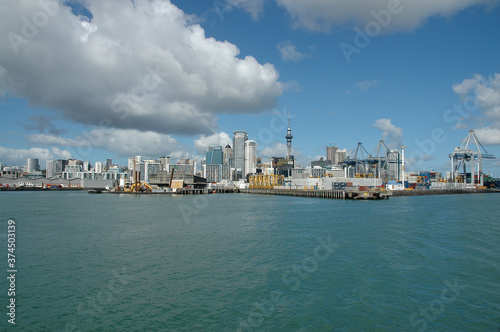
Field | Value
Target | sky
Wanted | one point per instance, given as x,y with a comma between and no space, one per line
95,79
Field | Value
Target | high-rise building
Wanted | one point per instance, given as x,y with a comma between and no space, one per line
214,156
228,155
330,154
109,163
250,157
340,156
32,165
87,166
50,168
239,139
165,162
98,167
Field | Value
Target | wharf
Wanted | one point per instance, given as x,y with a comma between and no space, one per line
328,194
184,191
431,192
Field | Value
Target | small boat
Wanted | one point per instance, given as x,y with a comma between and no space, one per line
95,191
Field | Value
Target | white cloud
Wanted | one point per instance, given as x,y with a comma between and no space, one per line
367,85
142,64
204,142
322,15
391,133
277,149
11,156
123,142
483,94
289,53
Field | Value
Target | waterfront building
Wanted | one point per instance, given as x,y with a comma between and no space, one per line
250,157
239,139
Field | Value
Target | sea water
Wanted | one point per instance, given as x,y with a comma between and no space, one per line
228,262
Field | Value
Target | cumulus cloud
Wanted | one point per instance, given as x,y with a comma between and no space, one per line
322,15
390,132
277,149
204,142
367,85
11,156
483,94
289,53
123,142
141,64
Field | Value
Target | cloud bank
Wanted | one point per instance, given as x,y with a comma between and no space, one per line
143,65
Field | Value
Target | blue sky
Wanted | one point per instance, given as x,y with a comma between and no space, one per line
159,78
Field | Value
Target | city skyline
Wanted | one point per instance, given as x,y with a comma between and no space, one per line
413,74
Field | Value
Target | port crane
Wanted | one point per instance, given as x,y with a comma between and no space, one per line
466,158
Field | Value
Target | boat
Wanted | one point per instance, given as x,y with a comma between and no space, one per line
94,191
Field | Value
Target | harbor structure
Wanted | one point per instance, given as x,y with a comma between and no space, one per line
467,162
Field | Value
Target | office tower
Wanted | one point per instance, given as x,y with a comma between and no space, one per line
98,167
109,163
250,157
214,155
50,168
165,162
239,139
32,165
331,154
228,155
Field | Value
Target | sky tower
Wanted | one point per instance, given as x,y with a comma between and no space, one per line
289,139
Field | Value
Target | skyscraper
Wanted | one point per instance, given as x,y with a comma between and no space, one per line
32,165
214,155
250,157
330,153
239,139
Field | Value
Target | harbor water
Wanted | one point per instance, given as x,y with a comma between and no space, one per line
229,262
